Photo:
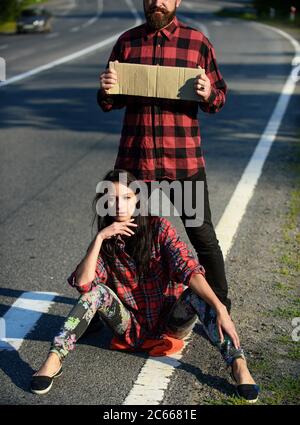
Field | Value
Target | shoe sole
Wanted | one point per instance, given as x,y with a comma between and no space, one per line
42,392
244,399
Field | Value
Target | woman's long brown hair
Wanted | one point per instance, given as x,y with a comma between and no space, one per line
140,244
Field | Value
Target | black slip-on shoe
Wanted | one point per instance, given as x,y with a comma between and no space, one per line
246,392
42,384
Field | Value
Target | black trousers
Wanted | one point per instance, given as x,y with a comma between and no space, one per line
203,237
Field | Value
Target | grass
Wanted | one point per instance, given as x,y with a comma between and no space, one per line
233,400
275,388
10,27
263,367
292,346
235,13
287,312
283,391
278,391
252,16
286,390
283,288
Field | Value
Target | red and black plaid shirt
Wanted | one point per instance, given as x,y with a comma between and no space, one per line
161,137
149,300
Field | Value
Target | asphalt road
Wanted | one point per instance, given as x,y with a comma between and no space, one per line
55,146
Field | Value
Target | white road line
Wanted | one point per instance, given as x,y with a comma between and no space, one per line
296,45
217,23
236,208
74,29
22,316
52,35
5,46
75,55
96,17
146,390
90,22
201,27
71,6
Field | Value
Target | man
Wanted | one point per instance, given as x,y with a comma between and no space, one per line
160,137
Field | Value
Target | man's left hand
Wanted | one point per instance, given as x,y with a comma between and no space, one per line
202,87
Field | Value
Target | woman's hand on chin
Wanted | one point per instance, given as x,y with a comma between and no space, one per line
118,228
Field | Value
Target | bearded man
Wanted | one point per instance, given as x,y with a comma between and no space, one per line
161,137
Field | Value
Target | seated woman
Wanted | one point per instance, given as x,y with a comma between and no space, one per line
134,276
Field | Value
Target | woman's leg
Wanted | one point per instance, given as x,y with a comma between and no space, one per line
181,320
190,304
100,299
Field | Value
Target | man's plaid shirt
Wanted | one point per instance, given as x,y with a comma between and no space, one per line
149,300
161,137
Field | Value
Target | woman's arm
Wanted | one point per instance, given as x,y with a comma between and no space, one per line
183,267
199,285
86,269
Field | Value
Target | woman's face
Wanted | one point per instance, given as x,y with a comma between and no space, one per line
121,202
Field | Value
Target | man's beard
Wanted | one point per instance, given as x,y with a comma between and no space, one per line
158,21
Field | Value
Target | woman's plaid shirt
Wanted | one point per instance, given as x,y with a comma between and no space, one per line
160,137
149,300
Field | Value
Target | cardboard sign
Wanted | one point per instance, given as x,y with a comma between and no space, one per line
168,82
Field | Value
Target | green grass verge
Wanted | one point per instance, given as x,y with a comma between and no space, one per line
281,390
10,27
235,13
252,16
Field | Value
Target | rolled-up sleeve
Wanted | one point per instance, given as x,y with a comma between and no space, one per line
180,260
218,86
100,277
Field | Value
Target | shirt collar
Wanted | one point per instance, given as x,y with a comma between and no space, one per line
168,31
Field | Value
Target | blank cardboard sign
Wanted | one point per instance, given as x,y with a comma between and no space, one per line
168,82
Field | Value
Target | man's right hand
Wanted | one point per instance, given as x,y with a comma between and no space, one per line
108,79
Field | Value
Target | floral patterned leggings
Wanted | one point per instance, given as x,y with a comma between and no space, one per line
181,320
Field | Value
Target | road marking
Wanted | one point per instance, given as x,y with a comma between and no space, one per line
74,29
236,208
90,22
96,17
52,35
146,390
217,23
75,55
5,46
20,319
295,43
71,6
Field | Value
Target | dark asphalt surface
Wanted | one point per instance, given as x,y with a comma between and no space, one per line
56,144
